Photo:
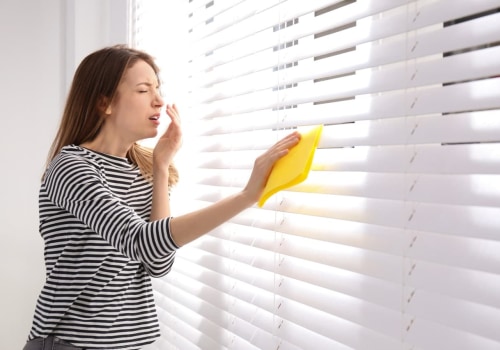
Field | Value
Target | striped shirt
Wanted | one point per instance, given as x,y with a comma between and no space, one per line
100,251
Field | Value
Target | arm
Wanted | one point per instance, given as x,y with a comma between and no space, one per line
188,227
77,185
160,206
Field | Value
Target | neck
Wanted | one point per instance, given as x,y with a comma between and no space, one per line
114,149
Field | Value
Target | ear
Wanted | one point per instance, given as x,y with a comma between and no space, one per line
104,105
108,110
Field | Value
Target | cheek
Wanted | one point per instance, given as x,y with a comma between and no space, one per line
129,110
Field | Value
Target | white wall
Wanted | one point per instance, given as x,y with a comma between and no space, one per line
42,42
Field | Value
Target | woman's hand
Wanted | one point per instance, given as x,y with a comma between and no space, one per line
264,164
163,154
170,142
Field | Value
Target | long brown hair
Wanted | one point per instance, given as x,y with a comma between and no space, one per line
97,78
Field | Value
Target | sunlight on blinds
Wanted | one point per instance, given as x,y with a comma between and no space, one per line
392,241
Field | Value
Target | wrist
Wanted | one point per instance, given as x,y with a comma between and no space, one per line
160,170
247,198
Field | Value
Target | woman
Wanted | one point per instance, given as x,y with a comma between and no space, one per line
105,211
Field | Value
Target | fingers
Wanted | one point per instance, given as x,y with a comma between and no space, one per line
173,133
283,146
290,139
173,113
277,151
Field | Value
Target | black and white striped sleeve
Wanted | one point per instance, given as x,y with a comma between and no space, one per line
75,185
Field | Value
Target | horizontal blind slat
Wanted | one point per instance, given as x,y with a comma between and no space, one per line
476,190
305,23
204,329
426,159
464,252
478,222
475,95
458,68
442,279
345,281
433,335
213,317
210,22
441,159
333,327
310,299
482,320
475,222
199,13
401,44
232,304
472,127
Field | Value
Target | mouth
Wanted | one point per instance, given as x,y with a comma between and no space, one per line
155,119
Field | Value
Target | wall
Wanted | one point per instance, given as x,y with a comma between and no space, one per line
42,43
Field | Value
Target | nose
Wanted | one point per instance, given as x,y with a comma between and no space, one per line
158,101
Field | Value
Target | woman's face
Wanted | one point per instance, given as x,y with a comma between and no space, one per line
135,111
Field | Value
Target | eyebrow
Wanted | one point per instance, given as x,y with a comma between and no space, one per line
144,83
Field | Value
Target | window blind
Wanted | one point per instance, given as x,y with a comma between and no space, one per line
392,241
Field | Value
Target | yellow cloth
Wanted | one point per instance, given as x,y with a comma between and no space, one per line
293,168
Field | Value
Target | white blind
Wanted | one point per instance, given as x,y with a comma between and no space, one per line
393,241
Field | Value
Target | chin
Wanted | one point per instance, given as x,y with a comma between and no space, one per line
152,134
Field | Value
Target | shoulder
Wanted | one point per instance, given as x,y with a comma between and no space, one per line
73,162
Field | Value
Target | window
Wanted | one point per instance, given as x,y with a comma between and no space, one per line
393,240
